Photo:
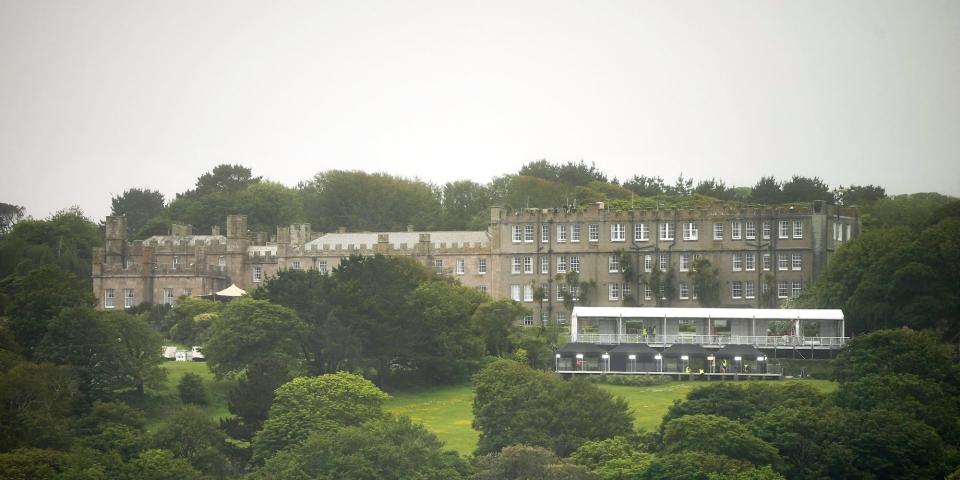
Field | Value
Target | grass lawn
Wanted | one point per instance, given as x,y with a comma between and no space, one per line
447,411
159,404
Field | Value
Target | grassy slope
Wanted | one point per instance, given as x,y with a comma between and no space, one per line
447,411
159,404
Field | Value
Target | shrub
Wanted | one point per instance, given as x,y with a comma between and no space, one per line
191,389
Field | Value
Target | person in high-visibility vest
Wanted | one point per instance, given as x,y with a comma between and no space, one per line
723,366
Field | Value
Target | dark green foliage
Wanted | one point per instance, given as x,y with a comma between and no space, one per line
768,190
522,462
250,331
645,186
861,195
806,189
694,465
719,435
33,298
66,239
612,459
387,448
161,465
496,319
899,351
35,401
9,216
112,427
40,464
714,188
739,402
312,404
189,434
706,282
139,205
188,321
514,404
466,205
251,398
191,389
795,431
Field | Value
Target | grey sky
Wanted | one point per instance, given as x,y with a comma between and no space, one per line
100,96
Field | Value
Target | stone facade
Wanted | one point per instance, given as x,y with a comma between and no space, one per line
522,252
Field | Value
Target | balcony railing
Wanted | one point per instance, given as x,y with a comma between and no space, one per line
783,341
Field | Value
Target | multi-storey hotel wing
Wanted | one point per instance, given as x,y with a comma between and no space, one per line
764,255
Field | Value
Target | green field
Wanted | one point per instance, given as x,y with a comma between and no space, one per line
447,411
161,403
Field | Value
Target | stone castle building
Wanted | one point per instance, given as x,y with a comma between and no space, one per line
764,255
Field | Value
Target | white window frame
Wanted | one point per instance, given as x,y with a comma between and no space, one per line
561,264
516,234
438,265
482,266
796,288
613,263
767,262
561,233
109,298
528,320
736,262
593,232
295,264
647,292
624,290
221,261
667,231
461,266
718,231
750,262
482,288
797,229
691,231
751,230
684,262
575,263
783,289
784,230
560,289
749,291
129,297
168,296
562,318
575,233
515,292
322,266
528,293
641,233
766,230
545,233
515,265
528,265
664,263
783,262
648,263
618,233
257,273
528,233
736,289
684,291
545,264
796,261
613,292
736,232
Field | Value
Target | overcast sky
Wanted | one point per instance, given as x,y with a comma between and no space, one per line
100,96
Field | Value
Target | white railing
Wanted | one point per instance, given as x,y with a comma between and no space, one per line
719,340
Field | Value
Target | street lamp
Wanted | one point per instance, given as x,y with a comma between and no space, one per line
633,363
556,363
761,365
605,362
737,359
713,363
659,359
686,363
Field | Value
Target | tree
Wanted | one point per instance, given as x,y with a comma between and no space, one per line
9,216
767,191
806,189
394,448
522,462
497,321
860,195
718,435
65,239
312,404
190,319
223,178
694,465
249,331
742,402
714,188
515,404
465,205
191,389
251,398
161,465
612,459
706,282
138,205
189,434
915,210
35,401
113,427
138,345
900,351
796,434
645,186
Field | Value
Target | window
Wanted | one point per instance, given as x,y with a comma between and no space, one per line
528,265
625,290
528,320
718,231
663,293
322,266
613,292
517,235
528,293
647,263
257,274
737,262
561,233
515,265
515,293
684,291
735,232
544,318
690,231
561,264
560,290
221,262
784,229
575,293
795,291
438,265
562,318
128,298
766,230
766,262
664,262
168,296
641,232
545,264
750,262
296,265
836,232
751,230
684,262
783,288
186,292
617,232
667,231
848,232
545,233
482,266
128,264
461,266
737,289
782,261
748,290
593,230
797,229
528,233
614,263
176,261
647,293
575,232
575,263
482,288
108,298
796,261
